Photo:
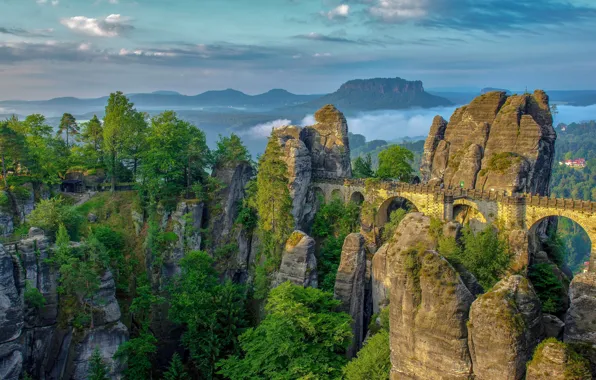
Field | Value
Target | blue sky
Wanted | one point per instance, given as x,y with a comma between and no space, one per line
89,48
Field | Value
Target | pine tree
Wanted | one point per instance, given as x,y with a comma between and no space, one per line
176,370
274,203
97,367
69,125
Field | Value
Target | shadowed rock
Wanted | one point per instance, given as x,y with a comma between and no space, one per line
298,263
350,285
504,328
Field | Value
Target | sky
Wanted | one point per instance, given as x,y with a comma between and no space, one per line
89,48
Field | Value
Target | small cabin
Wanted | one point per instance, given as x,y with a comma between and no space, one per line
72,186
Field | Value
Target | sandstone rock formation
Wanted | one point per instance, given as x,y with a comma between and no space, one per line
411,232
504,328
298,263
580,320
496,142
554,360
320,151
31,340
328,144
234,177
350,286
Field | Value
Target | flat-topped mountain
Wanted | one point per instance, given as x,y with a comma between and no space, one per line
380,94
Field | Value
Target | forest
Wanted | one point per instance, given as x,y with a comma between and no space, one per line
228,328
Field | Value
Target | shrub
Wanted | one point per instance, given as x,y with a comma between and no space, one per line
33,296
548,287
51,213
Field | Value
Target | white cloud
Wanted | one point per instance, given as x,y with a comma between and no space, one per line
111,26
399,10
318,55
339,12
84,47
113,1
264,130
43,2
147,53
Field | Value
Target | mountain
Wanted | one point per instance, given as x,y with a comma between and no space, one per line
228,98
491,89
379,94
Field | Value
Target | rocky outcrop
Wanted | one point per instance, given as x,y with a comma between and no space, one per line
350,286
298,263
11,318
554,360
328,144
299,162
580,320
411,232
320,151
15,208
496,142
31,340
504,328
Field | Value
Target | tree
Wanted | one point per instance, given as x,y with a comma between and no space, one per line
363,167
176,369
302,337
230,150
274,204
50,214
212,313
12,148
373,361
394,163
69,125
136,139
35,125
176,158
97,367
119,115
138,353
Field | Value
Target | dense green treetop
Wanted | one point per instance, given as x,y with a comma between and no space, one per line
394,163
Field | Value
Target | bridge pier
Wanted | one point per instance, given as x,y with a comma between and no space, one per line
448,208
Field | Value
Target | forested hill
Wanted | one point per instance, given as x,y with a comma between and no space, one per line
575,141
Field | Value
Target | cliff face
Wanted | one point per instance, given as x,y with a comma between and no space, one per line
31,339
320,151
496,142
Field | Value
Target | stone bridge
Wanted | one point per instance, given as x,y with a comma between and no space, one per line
509,212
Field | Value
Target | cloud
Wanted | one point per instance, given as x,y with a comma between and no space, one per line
489,15
113,25
264,130
25,33
319,55
44,2
399,10
326,38
340,12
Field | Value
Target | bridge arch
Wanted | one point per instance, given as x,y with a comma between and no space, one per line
586,222
466,211
357,197
337,194
319,194
391,204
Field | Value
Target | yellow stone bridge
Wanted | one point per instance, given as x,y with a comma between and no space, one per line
510,212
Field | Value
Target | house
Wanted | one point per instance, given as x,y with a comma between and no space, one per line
577,163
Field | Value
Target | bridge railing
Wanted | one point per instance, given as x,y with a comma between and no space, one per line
489,195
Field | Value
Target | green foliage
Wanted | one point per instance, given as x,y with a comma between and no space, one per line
138,354
577,367
212,313
33,296
394,163
362,167
174,161
501,162
176,370
395,219
230,150
97,368
333,222
302,336
484,254
373,361
548,287
68,125
49,214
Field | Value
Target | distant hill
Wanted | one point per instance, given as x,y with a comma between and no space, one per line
170,99
378,94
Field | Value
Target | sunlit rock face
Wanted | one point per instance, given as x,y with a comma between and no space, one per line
496,142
